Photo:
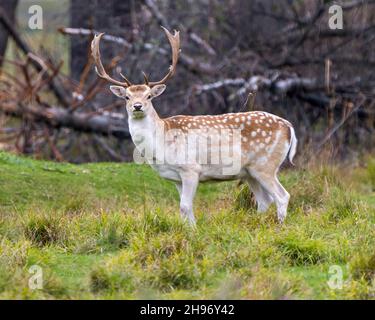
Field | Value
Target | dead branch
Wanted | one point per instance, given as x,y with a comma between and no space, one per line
186,61
331,132
55,87
256,82
163,21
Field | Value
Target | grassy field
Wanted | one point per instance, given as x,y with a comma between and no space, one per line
113,231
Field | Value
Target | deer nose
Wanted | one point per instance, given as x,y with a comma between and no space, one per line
137,107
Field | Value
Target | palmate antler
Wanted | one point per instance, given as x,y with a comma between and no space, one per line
174,41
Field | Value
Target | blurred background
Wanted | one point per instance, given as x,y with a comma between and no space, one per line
282,52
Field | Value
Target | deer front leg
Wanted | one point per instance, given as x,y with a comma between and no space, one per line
188,187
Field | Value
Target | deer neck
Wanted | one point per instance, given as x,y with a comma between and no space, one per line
143,131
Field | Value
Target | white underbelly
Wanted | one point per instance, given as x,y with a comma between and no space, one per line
210,172
205,172
167,172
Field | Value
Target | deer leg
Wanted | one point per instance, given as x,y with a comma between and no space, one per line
283,207
189,187
179,188
272,185
262,197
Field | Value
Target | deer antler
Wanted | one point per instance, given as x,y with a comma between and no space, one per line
95,51
174,41
145,78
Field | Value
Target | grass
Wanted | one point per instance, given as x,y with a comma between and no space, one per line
112,231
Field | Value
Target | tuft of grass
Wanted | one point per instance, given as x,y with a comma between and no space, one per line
343,205
363,267
302,251
13,254
309,189
244,199
46,229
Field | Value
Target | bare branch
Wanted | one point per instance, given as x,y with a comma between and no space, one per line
186,61
55,87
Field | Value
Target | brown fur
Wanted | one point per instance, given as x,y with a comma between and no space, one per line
258,127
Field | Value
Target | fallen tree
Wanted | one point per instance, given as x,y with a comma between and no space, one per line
106,124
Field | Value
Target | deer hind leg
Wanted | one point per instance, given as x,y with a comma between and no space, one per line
187,190
274,188
179,188
262,197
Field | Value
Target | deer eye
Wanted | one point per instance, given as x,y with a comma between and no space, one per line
149,97
127,98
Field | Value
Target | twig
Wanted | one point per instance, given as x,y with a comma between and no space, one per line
340,124
57,90
162,20
188,62
250,101
108,149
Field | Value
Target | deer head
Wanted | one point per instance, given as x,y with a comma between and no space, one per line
138,96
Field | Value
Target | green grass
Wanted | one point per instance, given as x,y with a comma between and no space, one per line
113,231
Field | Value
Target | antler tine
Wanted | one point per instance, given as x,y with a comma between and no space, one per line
126,79
145,78
95,52
174,41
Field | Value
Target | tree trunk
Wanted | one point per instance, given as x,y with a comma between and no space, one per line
9,7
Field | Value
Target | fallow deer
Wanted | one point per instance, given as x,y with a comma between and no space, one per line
259,141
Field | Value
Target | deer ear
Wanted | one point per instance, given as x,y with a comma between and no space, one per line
158,90
118,91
